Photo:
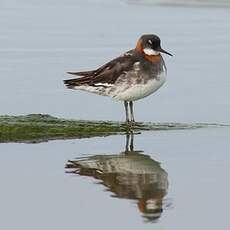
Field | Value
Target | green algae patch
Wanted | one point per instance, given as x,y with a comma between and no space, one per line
38,128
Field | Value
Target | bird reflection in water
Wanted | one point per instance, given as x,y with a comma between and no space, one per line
131,175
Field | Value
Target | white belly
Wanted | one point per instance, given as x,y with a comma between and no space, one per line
139,91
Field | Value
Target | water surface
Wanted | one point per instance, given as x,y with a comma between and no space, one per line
36,191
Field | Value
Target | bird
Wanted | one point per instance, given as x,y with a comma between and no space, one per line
133,75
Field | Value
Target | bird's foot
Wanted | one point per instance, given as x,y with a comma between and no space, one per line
130,123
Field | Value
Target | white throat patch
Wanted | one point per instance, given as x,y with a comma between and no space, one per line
149,51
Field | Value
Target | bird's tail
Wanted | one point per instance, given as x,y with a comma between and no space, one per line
84,79
72,83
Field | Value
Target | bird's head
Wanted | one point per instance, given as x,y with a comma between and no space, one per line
150,44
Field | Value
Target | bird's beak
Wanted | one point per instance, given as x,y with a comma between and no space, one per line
163,51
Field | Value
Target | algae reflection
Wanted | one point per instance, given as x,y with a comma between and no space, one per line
131,175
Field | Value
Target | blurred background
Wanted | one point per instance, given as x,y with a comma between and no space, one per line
41,40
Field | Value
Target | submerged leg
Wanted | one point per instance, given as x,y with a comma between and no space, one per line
131,111
126,111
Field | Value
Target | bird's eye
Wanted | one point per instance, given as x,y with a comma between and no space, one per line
150,42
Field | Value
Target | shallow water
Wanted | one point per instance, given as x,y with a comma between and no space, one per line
188,188
171,179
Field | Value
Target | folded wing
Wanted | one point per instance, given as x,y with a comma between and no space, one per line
107,74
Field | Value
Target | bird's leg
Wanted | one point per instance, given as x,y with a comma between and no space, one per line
131,111
126,111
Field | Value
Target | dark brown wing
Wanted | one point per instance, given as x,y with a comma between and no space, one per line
108,73
83,73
